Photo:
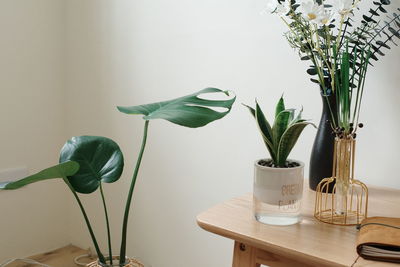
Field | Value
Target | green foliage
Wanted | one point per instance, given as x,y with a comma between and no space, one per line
189,111
61,170
88,161
348,98
338,50
283,135
100,160
85,162
374,34
340,53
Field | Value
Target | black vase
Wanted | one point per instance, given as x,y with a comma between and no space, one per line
322,152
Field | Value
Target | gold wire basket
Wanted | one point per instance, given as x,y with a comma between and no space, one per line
347,204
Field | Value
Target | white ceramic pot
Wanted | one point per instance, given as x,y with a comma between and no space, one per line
277,193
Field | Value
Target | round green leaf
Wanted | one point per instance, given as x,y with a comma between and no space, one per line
100,160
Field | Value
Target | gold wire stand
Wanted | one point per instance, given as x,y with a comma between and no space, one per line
348,202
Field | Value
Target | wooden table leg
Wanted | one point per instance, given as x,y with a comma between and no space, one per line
244,256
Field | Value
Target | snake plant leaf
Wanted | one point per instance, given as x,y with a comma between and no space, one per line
280,106
61,170
100,160
189,111
288,140
280,125
264,127
266,130
252,110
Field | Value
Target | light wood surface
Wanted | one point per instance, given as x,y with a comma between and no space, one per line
63,257
309,243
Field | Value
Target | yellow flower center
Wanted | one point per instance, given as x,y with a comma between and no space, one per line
311,16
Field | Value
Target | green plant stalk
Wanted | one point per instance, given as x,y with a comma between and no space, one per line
333,84
96,245
360,78
353,68
107,223
345,89
363,83
122,254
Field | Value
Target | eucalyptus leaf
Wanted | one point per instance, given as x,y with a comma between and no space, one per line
189,111
373,12
382,9
100,160
312,71
394,32
61,170
380,43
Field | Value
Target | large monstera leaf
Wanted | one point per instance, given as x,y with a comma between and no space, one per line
100,160
189,111
61,170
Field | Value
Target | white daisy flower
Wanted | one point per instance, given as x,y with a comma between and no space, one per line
325,18
311,10
343,7
281,9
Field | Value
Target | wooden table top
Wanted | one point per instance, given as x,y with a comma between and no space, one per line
62,257
319,243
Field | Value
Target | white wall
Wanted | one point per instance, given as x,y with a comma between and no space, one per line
32,112
64,75
132,52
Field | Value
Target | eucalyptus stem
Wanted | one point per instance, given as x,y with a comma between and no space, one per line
122,255
96,246
107,223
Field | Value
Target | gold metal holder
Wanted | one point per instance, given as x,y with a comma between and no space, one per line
348,202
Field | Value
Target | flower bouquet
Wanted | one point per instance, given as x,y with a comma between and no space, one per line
340,48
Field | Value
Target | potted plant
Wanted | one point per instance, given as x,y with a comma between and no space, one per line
86,162
324,32
278,181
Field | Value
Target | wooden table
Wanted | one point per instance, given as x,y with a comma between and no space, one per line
309,243
62,257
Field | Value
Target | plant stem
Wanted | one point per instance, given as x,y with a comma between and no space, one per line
96,246
128,202
107,222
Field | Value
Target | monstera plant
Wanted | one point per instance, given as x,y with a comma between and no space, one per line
191,111
86,162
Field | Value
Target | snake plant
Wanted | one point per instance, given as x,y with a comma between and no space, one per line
284,133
